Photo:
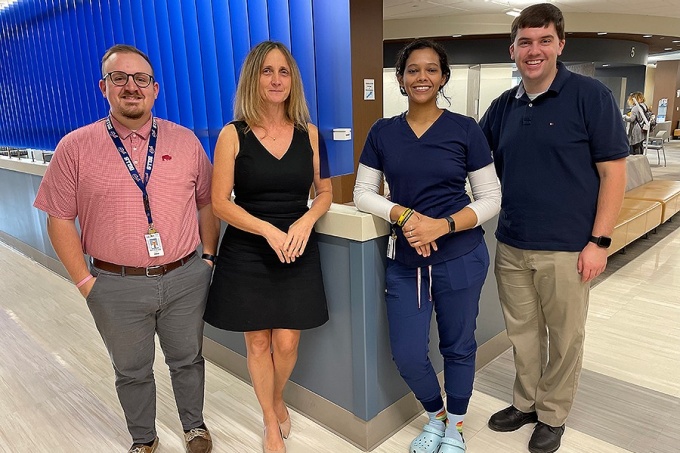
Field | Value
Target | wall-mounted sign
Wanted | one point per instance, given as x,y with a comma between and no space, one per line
369,89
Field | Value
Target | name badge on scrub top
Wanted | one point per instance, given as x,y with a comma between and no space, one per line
392,245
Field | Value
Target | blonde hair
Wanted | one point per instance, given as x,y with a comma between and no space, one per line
248,102
638,96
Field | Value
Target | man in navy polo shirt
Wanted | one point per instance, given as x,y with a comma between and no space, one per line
559,148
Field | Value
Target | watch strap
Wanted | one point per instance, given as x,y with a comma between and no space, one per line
209,257
601,241
452,224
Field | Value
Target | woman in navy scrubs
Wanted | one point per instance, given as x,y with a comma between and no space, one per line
437,257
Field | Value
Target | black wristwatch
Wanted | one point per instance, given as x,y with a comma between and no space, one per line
209,257
452,224
601,241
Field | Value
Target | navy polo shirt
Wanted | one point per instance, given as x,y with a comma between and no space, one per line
545,153
428,174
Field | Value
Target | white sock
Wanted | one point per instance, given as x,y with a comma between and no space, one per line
454,429
438,419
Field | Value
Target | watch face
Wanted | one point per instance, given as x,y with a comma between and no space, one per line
601,241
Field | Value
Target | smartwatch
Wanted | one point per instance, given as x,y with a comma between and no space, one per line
452,224
209,257
601,241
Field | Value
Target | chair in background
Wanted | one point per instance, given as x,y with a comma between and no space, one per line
656,144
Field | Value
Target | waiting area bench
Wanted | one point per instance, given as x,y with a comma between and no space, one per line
647,203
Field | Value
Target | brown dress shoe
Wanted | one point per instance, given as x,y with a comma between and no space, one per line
141,448
198,440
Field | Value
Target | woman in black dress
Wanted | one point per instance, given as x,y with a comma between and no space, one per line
267,281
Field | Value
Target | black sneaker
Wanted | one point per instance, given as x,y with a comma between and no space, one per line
511,419
546,439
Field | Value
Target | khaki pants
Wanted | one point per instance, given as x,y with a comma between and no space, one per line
545,305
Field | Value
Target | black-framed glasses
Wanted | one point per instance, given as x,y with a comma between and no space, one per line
120,78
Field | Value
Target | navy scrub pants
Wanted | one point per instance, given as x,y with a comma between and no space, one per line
454,287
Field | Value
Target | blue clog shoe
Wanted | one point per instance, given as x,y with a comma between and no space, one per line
451,445
428,441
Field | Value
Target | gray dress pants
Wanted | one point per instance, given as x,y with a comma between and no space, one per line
129,311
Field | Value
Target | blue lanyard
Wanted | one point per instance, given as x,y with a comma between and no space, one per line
141,183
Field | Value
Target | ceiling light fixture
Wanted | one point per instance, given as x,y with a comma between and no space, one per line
6,3
456,36
602,33
668,48
513,12
647,36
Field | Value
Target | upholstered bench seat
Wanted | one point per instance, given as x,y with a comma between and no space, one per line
637,217
665,192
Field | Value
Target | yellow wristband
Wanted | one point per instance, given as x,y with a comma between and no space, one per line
404,215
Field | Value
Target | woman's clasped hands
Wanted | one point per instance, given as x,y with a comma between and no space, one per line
421,232
292,245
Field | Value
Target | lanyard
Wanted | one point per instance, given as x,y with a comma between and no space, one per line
141,183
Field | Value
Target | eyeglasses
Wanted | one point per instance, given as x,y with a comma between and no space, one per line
120,78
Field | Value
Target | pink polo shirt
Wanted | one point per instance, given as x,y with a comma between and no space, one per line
87,179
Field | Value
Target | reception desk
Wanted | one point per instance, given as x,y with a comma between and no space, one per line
345,378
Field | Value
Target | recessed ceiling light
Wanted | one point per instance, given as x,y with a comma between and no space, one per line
513,13
676,41
668,48
605,65
456,36
647,36
602,33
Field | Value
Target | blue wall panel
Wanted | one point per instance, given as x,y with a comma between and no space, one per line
279,21
181,69
193,49
334,94
196,49
302,47
240,35
127,22
153,51
211,81
225,57
168,84
258,21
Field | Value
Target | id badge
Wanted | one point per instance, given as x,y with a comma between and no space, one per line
392,245
154,244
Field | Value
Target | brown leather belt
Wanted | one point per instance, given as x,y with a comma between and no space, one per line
150,271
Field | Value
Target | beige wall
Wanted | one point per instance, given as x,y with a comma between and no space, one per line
485,24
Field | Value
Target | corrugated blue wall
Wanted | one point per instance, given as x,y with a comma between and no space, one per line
50,52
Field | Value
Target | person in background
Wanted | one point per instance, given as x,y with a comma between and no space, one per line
268,280
437,255
636,118
559,148
141,219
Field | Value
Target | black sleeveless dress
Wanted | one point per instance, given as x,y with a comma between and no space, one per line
251,289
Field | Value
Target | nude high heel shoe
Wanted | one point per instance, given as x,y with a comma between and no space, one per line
285,426
267,450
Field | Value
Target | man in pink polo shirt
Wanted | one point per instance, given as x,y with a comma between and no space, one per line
140,188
